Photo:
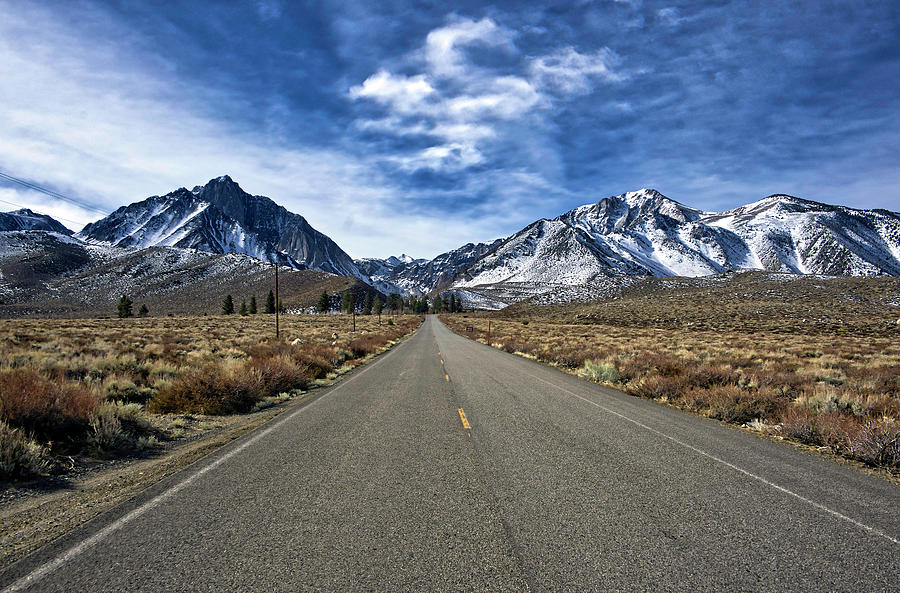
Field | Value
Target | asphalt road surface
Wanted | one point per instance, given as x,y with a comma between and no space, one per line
449,466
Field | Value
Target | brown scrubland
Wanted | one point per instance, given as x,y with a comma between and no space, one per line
820,367
73,388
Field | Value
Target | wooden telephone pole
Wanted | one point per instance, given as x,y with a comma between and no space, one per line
277,304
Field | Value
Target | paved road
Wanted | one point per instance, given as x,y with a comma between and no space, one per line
558,485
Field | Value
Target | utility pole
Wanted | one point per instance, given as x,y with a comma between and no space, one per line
489,332
277,304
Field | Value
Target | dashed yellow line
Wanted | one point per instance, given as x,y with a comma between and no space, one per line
446,376
465,421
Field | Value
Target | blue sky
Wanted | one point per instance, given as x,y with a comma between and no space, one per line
417,127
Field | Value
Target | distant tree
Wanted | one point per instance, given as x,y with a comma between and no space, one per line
243,310
253,305
323,304
367,306
270,303
124,307
280,306
143,311
347,302
438,304
228,305
376,307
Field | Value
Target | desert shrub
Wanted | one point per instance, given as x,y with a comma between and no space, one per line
646,363
130,416
316,359
733,404
365,345
599,372
106,434
657,387
707,375
877,443
213,388
279,374
268,349
19,455
799,423
830,429
508,345
127,391
48,409
570,357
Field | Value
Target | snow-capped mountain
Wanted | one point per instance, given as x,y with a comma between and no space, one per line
27,220
646,233
420,276
220,217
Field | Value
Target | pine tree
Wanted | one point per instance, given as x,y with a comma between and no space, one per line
376,307
243,309
367,306
253,305
323,304
347,304
270,303
143,311
228,305
124,307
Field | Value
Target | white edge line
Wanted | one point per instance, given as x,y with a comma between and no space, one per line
40,572
747,473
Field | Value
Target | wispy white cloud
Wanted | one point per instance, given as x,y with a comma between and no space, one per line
442,46
467,108
404,94
669,16
571,72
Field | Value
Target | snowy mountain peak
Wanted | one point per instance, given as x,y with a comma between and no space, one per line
646,233
220,217
26,219
642,208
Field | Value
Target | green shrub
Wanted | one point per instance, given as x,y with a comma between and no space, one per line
599,372
19,456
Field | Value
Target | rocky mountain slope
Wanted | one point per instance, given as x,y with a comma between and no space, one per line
220,217
408,276
47,273
25,220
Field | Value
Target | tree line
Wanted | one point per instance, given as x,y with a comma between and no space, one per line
395,303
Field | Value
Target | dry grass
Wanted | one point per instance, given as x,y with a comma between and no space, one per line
843,394
89,386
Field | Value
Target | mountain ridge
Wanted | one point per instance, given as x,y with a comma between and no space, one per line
220,217
637,233
25,219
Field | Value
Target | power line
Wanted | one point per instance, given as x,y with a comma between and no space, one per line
51,193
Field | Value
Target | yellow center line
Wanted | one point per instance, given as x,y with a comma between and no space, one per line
446,376
465,421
